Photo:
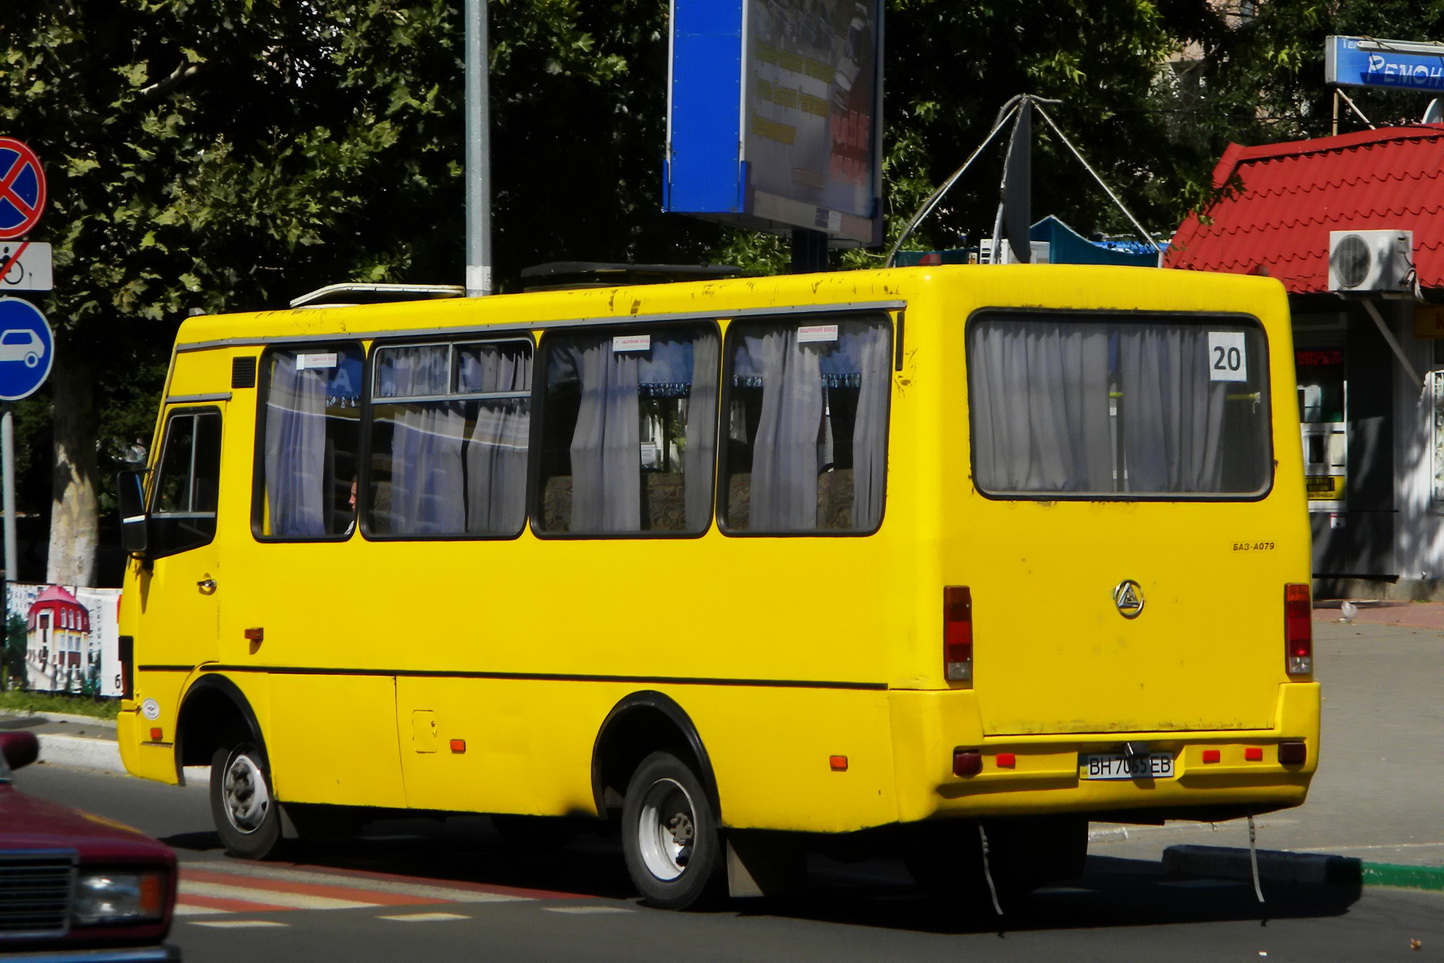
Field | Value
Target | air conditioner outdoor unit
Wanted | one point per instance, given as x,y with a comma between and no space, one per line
1379,262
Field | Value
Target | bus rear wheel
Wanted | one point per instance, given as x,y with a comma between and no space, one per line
243,806
669,834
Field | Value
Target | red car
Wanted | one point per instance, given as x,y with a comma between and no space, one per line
76,887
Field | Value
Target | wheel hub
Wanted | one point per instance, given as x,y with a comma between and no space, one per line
243,787
666,829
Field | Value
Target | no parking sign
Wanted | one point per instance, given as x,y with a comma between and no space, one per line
27,348
22,189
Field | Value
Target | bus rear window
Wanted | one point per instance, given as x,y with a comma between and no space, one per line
1097,406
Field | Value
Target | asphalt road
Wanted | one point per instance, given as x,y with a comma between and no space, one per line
423,891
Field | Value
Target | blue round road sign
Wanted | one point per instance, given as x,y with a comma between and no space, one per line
22,189
26,349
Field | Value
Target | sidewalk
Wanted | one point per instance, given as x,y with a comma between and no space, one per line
1373,812
82,742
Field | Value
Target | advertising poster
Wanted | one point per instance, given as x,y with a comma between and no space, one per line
71,639
810,95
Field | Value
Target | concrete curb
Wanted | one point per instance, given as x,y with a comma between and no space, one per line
80,752
1222,862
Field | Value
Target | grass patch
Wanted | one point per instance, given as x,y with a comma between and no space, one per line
15,701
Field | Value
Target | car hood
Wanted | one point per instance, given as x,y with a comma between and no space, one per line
28,822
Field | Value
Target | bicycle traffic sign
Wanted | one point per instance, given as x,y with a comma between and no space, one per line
25,266
22,189
27,347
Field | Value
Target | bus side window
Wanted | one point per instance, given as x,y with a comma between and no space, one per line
448,447
629,431
187,482
310,436
807,408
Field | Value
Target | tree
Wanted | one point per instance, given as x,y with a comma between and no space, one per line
16,676
232,154
951,67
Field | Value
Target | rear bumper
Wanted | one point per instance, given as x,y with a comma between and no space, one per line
1226,771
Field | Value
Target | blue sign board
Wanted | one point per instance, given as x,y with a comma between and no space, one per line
27,348
1398,64
774,115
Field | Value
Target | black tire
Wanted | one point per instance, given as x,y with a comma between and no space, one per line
669,834
245,810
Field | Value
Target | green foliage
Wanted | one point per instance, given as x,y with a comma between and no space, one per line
232,154
16,702
15,675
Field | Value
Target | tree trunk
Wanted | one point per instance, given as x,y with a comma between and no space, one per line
74,511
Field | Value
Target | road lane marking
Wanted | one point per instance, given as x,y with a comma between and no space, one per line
588,910
425,917
236,924
277,898
320,887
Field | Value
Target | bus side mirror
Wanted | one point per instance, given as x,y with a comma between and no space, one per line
134,523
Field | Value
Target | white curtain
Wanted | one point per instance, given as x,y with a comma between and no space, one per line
295,448
701,434
606,444
869,439
426,496
496,449
1173,412
784,453
1040,406
1043,419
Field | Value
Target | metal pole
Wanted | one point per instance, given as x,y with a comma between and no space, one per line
7,454
478,152
809,251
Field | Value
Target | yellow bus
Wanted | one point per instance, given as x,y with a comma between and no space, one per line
953,557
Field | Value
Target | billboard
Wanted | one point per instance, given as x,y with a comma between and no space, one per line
71,639
774,115
1399,64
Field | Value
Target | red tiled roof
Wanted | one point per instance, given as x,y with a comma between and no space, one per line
1292,195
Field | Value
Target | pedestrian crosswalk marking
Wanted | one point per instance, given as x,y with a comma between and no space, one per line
226,887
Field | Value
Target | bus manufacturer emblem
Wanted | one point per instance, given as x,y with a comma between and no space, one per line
1128,596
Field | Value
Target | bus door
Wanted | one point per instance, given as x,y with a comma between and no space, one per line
180,585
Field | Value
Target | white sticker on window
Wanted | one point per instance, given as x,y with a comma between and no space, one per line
1227,356
322,360
815,333
631,342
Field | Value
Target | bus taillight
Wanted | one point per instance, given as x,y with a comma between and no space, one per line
958,633
1298,630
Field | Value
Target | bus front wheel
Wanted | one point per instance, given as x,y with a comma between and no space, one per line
669,834
242,804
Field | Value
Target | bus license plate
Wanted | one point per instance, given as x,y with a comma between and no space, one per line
1115,765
